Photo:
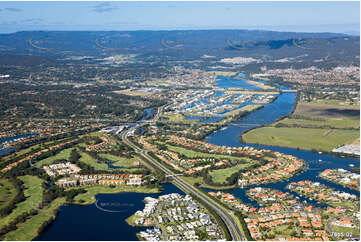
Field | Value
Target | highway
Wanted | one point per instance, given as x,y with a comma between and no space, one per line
224,215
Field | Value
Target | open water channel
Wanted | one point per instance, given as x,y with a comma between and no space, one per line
87,222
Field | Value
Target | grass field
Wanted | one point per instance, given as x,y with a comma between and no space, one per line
179,118
132,93
283,231
309,127
220,175
223,73
193,180
89,196
7,192
331,104
344,231
119,161
303,138
334,123
192,154
96,134
29,229
34,196
87,159
248,108
64,154
250,92
328,108
27,150
259,84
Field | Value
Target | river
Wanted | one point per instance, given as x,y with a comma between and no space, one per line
316,162
87,222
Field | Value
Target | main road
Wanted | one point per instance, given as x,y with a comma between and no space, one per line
227,217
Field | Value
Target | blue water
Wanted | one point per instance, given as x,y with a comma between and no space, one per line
229,82
77,222
89,223
283,105
16,137
110,166
4,151
148,112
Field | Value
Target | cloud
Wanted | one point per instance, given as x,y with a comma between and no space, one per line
12,9
9,23
123,23
104,7
33,20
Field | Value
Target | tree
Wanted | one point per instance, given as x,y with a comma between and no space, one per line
74,156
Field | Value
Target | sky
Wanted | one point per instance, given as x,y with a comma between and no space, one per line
340,17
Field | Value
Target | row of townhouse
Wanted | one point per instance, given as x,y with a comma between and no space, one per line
82,180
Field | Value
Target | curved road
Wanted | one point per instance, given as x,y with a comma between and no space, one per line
227,218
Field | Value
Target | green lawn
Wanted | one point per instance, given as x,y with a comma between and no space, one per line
118,161
192,154
193,180
248,108
131,220
303,138
29,229
64,154
87,159
346,232
335,123
7,192
27,150
97,134
220,175
330,104
329,112
89,196
283,231
34,196
179,118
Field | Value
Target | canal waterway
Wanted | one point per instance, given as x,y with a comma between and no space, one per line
88,222
4,151
148,113
316,162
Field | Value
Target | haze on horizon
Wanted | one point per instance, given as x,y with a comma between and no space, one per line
337,17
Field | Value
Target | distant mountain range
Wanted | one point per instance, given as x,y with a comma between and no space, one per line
187,44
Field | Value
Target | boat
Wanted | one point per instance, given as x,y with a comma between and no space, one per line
352,165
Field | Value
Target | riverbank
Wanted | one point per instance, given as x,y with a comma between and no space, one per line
33,226
317,125
300,138
89,197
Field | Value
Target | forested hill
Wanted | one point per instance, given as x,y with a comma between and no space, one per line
186,45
